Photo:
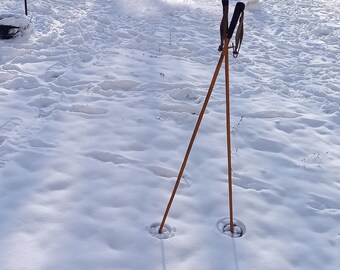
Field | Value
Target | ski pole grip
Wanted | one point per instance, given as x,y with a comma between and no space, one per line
225,2
239,8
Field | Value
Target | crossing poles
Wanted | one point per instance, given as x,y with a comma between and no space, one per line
239,8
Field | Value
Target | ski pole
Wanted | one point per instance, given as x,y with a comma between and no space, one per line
26,8
198,123
237,12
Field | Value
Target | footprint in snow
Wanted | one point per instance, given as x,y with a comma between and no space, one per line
3,163
55,185
168,173
42,102
314,123
22,83
85,111
266,145
106,156
259,185
273,114
118,85
7,128
2,139
180,108
81,108
41,144
324,205
183,94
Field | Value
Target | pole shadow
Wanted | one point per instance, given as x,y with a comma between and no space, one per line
163,254
235,254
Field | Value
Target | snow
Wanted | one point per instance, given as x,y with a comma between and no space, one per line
14,20
98,102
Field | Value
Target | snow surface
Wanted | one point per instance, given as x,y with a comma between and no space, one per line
98,104
14,20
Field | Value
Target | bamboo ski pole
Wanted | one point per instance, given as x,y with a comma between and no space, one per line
230,182
237,12
198,123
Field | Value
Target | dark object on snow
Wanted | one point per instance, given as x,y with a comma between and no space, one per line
12,25
26,12
8,31
224,23
227,32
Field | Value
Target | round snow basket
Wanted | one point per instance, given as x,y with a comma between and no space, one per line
223,225
12,26
167,231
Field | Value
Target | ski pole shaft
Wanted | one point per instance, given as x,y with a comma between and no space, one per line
198,123
26,12
230,185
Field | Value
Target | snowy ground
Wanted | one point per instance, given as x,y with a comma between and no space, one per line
98,104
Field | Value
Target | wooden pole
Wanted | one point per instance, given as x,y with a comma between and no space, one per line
230,182
198,123
239,8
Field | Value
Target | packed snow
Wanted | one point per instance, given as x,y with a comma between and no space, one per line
98,101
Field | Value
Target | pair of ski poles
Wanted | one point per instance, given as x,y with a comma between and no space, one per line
239,8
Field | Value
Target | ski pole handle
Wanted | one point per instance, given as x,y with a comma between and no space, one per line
224,23
239,8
